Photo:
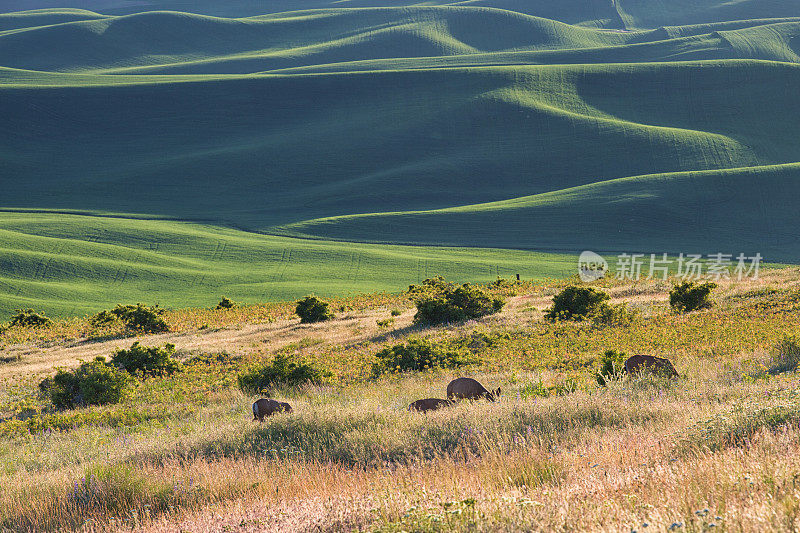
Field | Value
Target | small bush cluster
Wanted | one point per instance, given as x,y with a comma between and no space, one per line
100,382
575,303
104,319
690,296
138,318
28,318
281,371
417,355
92,383
611,366
153,361
225,303
311,309
440,302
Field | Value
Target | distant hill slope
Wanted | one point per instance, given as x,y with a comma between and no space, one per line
602,13
619,125
630,214
260,151
71,264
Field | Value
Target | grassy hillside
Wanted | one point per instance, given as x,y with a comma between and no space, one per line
718,445
260,151
671,126
625,214
72,264
618,14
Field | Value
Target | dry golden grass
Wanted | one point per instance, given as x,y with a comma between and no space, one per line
717,450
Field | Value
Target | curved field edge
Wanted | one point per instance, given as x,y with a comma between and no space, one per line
226,154
731,210
72,264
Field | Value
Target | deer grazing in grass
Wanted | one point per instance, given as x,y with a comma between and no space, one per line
428,404
267,407
470,389
652,364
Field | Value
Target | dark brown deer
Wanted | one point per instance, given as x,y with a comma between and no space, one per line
470,389
268,407
428,404
651,364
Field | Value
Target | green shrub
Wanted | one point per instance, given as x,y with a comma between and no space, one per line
282,371
611,366
396,312
225,303
443,303
386,323
104,319
690,296
311,309
92,383
785,356
430,285
418,355
141,318
153,361
575,303
28,318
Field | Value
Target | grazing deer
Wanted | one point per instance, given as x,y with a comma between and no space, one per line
267,407
428,404
652,364
469,389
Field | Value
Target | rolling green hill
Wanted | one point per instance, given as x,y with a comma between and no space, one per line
73,264
627,125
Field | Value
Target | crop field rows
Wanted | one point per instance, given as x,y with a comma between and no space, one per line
490,125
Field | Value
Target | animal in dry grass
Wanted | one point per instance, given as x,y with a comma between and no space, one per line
428,404
470,389
650,364
268,407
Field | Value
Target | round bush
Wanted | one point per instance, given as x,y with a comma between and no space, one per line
575,303
311,309
28,318
92,383
418,355
445,303
141,318
690,296
154,361
282,371
225,303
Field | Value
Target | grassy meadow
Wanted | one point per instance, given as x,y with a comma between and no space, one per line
173,152
715,449
68,265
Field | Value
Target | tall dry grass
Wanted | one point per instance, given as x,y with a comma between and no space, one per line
715,450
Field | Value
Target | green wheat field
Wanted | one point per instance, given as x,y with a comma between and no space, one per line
504,126
175,152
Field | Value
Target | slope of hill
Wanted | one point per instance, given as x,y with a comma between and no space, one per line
615,14
629,213
492,123
260,151
74,264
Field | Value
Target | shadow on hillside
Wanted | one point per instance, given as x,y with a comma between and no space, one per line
396,333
